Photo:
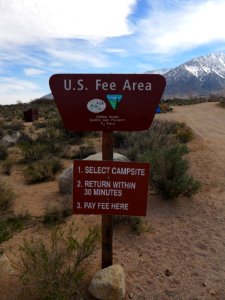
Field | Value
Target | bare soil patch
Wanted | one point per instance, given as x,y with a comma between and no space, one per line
183,256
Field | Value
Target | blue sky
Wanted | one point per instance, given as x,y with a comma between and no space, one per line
39,38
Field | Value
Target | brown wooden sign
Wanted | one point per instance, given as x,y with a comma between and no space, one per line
111,188
107,102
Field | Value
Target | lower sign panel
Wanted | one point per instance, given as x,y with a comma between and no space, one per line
109,187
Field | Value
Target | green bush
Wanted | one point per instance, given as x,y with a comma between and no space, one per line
3,152
85,151
7,166
55,215
16,125
32,152
169,171
7,196
42,171
54,269
138,224
12,224
134,144
52,138
184,133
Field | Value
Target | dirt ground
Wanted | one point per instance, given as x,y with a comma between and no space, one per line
183,255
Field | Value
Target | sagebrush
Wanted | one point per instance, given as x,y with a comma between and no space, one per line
54,268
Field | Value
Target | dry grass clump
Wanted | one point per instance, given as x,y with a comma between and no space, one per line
54,269
43,170
7,196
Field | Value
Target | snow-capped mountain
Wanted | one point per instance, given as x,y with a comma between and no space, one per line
200,76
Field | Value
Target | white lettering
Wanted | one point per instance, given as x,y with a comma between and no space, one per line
67,84
89,205
98,184
80,84
137,86
128,171
107,192
96,170
105,86
124,185
103,205
120,206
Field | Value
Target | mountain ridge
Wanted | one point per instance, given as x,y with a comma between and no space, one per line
200,76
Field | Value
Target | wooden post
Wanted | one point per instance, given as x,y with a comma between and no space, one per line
107,228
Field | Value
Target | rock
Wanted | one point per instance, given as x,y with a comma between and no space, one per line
10,141
65,179
108,284
98,156
131,295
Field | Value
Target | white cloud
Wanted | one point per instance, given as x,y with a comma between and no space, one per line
33,71
84,58
118,51
187,26
26,21
13,90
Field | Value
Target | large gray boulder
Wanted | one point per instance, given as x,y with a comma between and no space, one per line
10,141
108,284
65,179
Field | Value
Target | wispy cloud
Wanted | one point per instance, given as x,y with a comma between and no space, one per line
13,90
33,72
87,57
189,24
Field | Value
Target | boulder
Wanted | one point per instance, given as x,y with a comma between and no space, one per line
98,156
65,179
10,141
108,284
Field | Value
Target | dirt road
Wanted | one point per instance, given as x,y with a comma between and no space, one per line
184,258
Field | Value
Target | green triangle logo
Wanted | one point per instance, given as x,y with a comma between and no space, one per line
114,100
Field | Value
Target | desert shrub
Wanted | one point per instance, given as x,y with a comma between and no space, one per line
25,139
3,152
222,102
54,269
55,215
52,139
120,139
138,224
1,132
42,171
39,124
13,126
134,144
169,171
184,133
12,224
7,196
32,152
7,166
85,150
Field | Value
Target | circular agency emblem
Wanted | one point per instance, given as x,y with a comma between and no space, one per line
96,105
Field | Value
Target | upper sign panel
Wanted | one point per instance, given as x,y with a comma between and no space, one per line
107,102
